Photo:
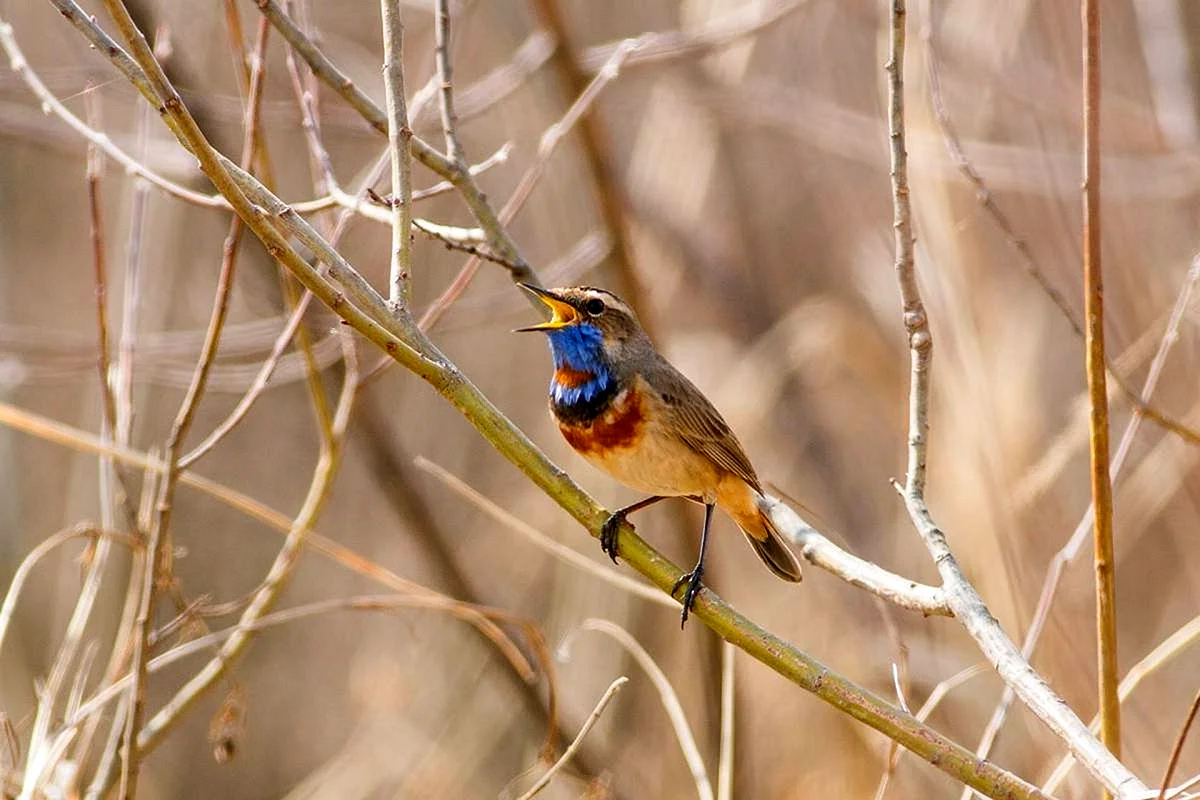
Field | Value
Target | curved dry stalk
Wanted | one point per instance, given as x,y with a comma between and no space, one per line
592,719
1177,749
666,693
82,530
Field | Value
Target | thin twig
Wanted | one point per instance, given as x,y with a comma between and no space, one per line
666,693
1093,288
1177,749
95,171
445,76
399,145
592,719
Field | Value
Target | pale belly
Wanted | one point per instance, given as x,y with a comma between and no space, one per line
658,465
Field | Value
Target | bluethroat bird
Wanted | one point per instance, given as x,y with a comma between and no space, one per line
625,409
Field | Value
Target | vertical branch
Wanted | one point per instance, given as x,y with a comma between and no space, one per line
1177,748
399,144
95,169
916,322
441,37
1093,286
725,757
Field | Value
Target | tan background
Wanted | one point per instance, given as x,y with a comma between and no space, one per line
760,226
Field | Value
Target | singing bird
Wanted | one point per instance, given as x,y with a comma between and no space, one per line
625,409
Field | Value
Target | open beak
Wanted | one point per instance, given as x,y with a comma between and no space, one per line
564,313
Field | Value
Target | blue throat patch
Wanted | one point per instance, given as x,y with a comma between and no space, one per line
579,347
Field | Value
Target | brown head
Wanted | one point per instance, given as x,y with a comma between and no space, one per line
591,309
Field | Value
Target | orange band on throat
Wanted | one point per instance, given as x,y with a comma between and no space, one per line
570,378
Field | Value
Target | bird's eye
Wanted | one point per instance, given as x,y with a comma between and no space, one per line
594,307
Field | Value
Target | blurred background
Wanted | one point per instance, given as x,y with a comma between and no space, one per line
735,188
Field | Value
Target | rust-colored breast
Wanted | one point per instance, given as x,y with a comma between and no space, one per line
620,426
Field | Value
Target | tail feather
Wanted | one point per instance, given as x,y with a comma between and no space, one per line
775,553
742,502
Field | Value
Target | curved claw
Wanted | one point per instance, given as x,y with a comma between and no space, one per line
608,535
694,583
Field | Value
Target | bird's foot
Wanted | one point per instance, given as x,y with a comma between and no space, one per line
608,534
693,581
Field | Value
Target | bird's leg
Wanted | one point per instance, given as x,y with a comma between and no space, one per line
608,531
693,578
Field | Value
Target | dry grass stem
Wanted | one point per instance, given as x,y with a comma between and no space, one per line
1098,430
569,753
1177,748
666,694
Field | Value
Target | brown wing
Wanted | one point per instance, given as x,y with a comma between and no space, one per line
690,416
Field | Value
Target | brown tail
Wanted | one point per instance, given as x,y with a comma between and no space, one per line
775,553
741,503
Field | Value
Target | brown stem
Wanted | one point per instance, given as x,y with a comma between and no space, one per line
1093,287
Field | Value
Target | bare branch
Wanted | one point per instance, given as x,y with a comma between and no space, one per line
821,552
399,145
